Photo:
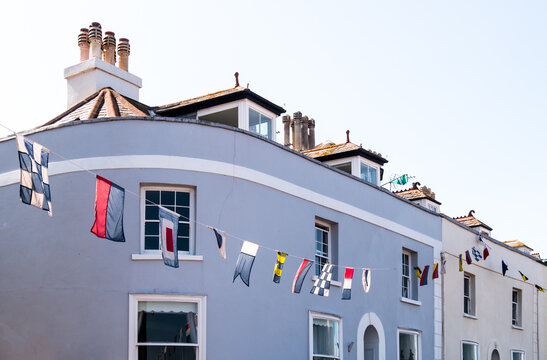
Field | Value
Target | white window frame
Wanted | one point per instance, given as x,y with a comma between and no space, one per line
518,321
372,165
134,300
412,332
409,277
317,315
513,351
329,242
472,295
470,343
356,165
265,113
191,231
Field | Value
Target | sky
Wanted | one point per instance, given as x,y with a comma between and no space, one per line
451,92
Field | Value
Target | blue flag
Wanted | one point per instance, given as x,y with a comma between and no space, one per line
169,224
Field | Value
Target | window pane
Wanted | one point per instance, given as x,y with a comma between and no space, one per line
345,167
183,198
167,352
368,173
326,339
184,230
184,213
152,228
518,356
151,243
168,198
183,244
151,212
470,352
408,346
158,322
153,196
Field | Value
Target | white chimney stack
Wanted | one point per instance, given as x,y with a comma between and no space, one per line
92,73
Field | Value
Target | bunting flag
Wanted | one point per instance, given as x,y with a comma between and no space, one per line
435,274
109,202
34,185
348,277
485,253
460,262
476,254
221,242
418,272
423,280
443,266
321,286
367,274
278,268
245,261
467,257
504,267
300,276
539,288
524,277
401,180
169,223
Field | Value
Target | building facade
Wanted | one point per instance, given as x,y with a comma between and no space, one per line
68,294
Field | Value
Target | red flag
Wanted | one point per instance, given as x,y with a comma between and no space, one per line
435,271
468,257
485,253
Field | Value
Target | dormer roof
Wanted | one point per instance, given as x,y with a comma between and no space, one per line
217,98
330,151
471,221
416,193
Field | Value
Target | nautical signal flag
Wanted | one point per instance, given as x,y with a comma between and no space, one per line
401,180
418,272
423,279
485,253
476,254
34,185
245,261
504,267
366,279
348,277
435,274
539,288
300,276
221,241
321,286
169,222
278,268
467,257
460,263
524,277
109,202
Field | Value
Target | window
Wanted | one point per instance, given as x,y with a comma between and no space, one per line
166,326
346,167
469,294
369,174
326,332
516,304
409,282
322,240
260,124
470,351
409,345
178,199
518,355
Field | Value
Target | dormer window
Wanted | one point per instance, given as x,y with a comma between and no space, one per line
260,124
369,173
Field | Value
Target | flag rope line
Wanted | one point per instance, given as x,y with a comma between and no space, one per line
193,220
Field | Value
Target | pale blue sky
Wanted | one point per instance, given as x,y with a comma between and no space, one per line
452,92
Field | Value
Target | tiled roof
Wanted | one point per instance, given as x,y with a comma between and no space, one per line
415,193
104,103
183,103
471,221
331,149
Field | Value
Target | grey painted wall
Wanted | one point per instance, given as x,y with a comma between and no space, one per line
64,292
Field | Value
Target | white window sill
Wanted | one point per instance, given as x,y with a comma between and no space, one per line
469,316
182,257
516,327
332,282
411,301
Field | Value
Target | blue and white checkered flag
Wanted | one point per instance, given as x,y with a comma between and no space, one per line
34,187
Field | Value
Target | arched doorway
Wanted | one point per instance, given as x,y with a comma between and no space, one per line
495,355
370,337
371,343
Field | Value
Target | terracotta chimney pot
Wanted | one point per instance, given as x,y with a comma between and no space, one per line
83,43
109,46
123,52
96,39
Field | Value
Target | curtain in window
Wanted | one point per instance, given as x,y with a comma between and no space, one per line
325,337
